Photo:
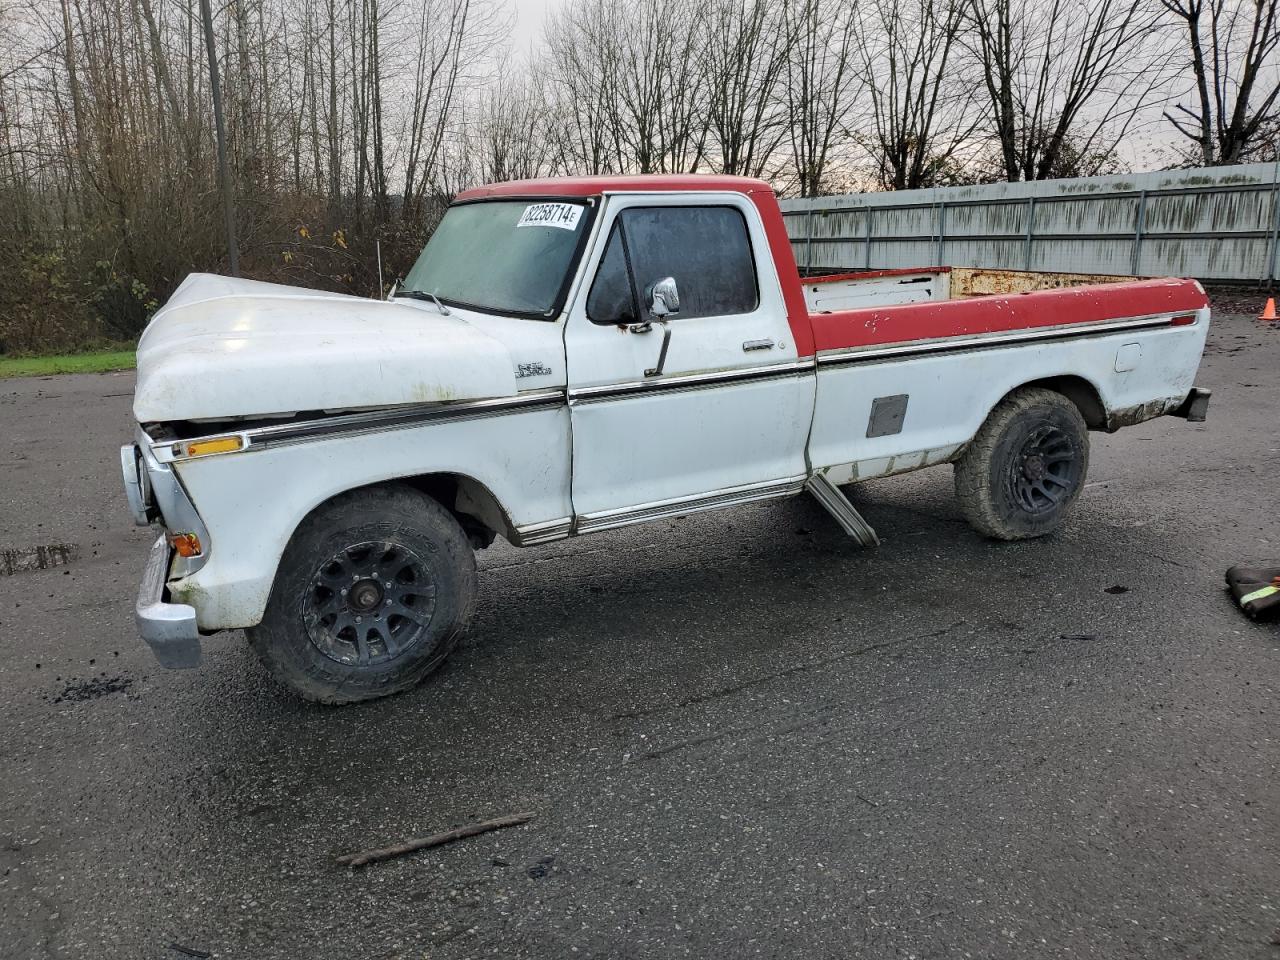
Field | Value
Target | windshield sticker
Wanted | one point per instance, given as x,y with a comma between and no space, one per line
563,215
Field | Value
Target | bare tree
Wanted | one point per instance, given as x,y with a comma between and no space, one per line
583,85
438,73
1065,82
921,108
633,81
821,85
510,139
107,158
661,86
1236,81
747,54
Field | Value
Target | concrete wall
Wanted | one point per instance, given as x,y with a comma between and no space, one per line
1217,223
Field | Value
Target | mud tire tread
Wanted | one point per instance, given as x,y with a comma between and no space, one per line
974,485
280,640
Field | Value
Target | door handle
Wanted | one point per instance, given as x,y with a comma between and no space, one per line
751,345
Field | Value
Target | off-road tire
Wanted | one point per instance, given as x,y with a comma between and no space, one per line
993,477
289,638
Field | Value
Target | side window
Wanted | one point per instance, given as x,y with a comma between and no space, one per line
705,249
612,299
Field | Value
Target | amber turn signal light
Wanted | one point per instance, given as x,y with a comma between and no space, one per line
187,544
200,448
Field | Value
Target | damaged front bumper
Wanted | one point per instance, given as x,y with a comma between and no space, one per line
155,494
168,628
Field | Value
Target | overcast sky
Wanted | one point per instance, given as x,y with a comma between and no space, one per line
528,25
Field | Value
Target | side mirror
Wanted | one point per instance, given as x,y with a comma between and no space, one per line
663,298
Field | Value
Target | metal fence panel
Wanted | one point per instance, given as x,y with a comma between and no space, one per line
1215,223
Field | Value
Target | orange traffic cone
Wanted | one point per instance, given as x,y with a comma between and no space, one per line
1269,311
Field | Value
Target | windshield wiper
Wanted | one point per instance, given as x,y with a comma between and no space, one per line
428,297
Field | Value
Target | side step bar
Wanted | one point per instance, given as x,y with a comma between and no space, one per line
838,505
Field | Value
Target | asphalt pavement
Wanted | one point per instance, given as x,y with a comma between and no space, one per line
741,734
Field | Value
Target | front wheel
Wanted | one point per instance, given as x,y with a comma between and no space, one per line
373,593
1026,466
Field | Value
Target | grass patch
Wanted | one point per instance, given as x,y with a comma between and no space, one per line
100,362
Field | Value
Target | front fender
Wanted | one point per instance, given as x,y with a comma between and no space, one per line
252,501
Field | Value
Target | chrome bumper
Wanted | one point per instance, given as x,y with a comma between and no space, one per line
169,628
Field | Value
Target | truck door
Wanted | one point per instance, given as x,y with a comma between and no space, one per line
722,415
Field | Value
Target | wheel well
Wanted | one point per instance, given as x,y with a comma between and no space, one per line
469,500
472,504
1080,392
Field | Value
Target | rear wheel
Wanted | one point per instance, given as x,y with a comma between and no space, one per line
1025,467
372,594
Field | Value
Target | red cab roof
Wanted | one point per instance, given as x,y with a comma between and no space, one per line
594,186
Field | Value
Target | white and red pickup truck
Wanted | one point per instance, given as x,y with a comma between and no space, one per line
573,355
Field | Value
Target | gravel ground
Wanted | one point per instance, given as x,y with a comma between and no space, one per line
742,736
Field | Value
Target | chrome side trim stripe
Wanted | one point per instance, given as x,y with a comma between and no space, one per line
405,417
401,418
533,533
729,496
987,341
690,381
392,418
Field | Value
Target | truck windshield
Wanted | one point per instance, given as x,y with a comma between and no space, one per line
502,256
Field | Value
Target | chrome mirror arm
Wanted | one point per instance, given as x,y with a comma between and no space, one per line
656,371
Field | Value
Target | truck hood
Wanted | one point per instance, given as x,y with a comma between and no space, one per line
223,348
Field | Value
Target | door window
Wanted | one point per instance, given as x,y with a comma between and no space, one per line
706,250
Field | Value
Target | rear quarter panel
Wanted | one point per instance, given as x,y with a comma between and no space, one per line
1137,375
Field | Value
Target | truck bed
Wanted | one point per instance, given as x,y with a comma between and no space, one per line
829,293
922,306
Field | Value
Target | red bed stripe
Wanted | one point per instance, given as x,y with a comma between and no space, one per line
994,314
